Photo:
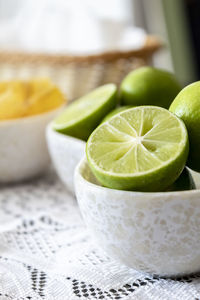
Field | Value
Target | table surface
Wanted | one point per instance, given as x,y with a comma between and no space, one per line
47,253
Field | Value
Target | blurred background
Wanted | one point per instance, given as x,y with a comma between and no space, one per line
91,27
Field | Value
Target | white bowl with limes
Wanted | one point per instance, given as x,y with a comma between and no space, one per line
23,149
137,156
151,232
66,152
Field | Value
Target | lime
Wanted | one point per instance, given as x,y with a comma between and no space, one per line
143,149
187,106
184,182
81,117
149,86
115,112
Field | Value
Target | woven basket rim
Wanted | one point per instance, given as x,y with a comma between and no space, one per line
152,45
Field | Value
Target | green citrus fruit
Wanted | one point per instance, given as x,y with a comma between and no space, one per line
149,86
115,112
81,117
184,182
143,149
187,107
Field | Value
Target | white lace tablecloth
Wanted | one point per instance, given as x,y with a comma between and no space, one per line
46,253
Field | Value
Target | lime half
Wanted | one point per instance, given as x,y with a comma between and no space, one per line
143,149
81,117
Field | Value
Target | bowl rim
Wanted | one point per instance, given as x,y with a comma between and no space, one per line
64,136
30,118
78,176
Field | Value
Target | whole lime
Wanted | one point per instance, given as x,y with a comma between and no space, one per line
187,107
149,86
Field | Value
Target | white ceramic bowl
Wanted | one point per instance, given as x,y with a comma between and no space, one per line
23,149
65,152
152,232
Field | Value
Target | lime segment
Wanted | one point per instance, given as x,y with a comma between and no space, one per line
81,117
143,148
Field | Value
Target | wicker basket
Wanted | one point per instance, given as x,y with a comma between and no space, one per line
76,75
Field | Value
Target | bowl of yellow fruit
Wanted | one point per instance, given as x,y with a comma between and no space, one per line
26,107
135,191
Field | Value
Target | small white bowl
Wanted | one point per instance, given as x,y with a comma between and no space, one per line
65,152
23,149
156,233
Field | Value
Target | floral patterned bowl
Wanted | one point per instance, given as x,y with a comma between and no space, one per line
151,232
23,149
65,152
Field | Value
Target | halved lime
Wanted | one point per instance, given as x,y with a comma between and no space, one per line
115,112
81,117
143,149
